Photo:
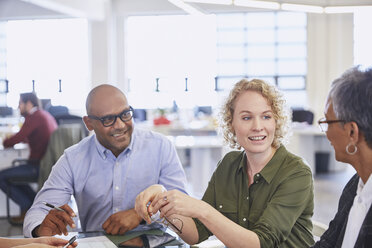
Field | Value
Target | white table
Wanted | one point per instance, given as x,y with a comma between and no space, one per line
205,152
307,140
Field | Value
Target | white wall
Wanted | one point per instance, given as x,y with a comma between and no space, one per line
330,53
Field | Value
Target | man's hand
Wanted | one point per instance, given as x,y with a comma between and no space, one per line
56,222
121,222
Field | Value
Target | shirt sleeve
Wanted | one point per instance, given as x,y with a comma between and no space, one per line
57,190
26,129
172,175
285,207
209,197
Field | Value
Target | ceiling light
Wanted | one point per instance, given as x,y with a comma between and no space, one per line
224,2
345,9
302,8
186,7
257,4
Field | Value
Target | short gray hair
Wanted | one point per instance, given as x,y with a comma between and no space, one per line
351,96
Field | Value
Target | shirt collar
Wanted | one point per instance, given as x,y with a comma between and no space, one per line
365,190
271,168
103,151
33,110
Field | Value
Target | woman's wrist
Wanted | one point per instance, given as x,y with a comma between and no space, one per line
204,210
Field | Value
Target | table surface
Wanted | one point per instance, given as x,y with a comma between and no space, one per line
99,239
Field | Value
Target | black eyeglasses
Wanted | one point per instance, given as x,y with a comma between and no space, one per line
110,120
323,123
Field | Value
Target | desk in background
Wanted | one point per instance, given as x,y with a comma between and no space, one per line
204,154
198,147
306,141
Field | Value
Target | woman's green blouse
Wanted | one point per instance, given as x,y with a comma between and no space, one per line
277,206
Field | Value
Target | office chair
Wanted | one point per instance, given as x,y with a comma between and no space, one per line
301,115
139,115
57,110
205,110
6,111
71,119
67,118
63,137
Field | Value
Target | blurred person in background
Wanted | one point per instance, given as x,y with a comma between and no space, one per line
35,131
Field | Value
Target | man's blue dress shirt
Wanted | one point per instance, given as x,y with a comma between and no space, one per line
103,184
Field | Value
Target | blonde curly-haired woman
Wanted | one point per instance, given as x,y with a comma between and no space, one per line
260,196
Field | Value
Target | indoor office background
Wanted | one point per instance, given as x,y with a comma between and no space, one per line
182,65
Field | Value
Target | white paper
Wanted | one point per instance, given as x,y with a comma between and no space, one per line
91,242
214,243
95,242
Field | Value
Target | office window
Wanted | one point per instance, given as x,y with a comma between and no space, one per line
46,51
266,45
196,60
363,37
171,58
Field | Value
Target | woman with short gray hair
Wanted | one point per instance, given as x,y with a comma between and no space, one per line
348,126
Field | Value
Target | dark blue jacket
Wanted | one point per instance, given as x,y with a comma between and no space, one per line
334,236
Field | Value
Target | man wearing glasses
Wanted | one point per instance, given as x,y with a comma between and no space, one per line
104,172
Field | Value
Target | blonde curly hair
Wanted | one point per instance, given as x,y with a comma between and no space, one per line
274,98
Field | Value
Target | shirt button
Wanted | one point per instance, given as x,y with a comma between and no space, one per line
257,181
117,163
247,197
117,187
116,210
244,219
258,175
220,206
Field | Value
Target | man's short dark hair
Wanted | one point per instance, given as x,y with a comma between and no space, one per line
30,97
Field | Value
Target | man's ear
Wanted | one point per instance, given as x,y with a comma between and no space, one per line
88,123
29,105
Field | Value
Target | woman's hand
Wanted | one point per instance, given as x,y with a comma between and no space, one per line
143,199
176,202
47,242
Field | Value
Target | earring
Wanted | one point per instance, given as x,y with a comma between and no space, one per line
354,150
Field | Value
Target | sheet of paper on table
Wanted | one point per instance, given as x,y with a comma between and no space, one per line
90,242
96,242
210,243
